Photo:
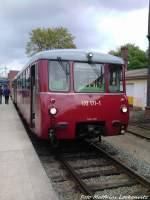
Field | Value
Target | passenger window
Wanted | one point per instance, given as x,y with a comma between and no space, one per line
24,80
28,78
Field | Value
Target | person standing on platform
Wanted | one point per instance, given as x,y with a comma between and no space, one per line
6,93
1,93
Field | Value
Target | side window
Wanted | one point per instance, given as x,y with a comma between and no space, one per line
18,83
28,78
20,79
115,78
23,80
36,77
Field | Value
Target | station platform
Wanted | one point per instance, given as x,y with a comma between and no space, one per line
22,176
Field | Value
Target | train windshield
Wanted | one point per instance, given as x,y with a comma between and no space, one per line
115,78
89,77
59,76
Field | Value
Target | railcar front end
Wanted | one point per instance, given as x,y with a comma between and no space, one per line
69,94
84,100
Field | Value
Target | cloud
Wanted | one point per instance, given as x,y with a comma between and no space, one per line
97,24
121,5
126,28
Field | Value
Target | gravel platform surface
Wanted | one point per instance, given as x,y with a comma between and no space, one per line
130,149
125,193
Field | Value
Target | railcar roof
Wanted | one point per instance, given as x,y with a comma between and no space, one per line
74,55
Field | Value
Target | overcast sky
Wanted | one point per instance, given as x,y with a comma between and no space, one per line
96,24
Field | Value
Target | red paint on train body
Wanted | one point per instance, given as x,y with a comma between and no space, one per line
79,113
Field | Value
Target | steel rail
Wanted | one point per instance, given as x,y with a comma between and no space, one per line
131,173
138,135
89,190
82,186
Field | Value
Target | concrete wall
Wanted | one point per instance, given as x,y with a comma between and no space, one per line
137,92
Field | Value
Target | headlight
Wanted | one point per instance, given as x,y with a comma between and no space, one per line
53,111
124,109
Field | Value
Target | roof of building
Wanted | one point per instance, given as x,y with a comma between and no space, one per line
12,74
137,74
75,55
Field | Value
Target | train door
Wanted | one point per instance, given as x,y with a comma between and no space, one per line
15,91
34,73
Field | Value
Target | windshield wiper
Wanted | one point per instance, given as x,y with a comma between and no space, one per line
64,68
98,72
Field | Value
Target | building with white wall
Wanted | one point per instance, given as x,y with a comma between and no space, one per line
136,87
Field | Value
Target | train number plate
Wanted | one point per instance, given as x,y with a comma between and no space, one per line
90,103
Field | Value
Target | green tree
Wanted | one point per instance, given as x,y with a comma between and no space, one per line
50,38
137,58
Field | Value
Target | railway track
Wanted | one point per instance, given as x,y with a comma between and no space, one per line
105,165
114,168
143,123
82,156
138,129
147,137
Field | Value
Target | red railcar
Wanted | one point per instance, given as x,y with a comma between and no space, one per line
68,94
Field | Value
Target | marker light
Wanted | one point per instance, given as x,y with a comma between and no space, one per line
124,109
89,55
53,111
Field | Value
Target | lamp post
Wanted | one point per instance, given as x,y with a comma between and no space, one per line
147,109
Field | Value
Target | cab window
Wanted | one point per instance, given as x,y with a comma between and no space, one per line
115,78
59,76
